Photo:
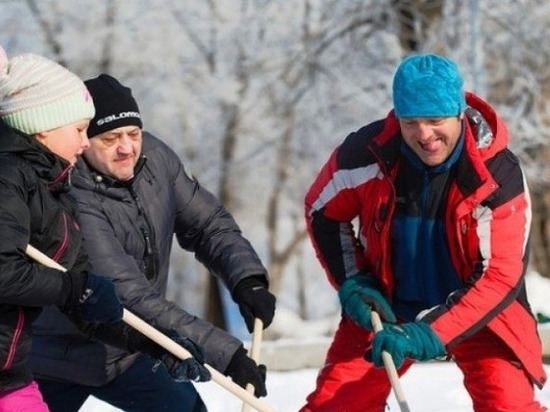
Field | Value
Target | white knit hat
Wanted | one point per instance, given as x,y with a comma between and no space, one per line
37,94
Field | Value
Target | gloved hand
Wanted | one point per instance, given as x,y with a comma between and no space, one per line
415,340
358,294
191,369
254,301
99,302
244,370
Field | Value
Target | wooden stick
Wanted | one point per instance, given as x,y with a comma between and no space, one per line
164,341
254,354
390,367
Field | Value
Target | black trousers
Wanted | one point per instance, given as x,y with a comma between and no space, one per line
138,389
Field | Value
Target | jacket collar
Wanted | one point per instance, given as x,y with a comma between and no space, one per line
87,178
51,168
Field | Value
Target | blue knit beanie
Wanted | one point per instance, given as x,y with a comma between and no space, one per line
428,85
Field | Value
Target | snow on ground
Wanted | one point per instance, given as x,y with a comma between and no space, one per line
428,387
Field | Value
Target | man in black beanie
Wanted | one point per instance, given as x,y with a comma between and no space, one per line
115,105
133,196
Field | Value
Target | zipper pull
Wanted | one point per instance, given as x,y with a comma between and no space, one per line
147,240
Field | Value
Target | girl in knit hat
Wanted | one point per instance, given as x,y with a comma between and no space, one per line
45,111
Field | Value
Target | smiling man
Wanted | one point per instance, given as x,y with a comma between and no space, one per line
440,251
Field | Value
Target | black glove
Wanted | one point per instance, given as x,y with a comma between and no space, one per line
254,301
99,302
191,369
244,370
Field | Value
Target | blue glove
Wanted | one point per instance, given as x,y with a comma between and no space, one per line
99,302
415,340
358,294
182,370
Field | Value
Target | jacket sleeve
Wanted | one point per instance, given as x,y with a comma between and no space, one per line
138,295
22,281
331,205
205,227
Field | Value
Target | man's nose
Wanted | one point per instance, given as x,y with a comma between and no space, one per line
424,131
125,144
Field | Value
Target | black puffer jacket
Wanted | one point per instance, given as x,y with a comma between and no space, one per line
129,227
34,209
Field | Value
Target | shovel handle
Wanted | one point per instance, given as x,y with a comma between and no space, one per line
254,354
164,341
391,370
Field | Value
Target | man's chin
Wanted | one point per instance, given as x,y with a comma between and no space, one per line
123,175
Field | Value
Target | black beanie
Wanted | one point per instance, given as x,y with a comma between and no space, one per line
114,105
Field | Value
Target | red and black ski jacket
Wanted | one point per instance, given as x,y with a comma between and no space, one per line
487,222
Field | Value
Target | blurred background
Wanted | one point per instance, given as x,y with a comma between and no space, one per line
254,94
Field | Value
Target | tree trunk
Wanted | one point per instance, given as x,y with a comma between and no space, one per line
415,17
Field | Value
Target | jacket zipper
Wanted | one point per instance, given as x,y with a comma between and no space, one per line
15,339
151,268
384,263
65,242
61,177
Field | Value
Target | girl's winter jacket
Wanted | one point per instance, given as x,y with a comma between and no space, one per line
487,220
34,209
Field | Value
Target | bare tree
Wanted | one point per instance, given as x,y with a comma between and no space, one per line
415,18
50,30
230,114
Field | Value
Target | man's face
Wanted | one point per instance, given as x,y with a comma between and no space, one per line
116,152
432,138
